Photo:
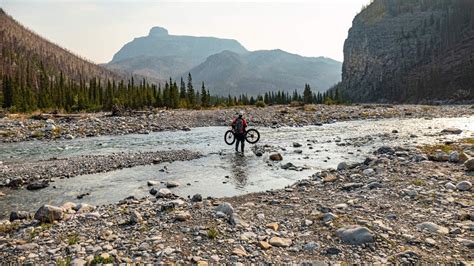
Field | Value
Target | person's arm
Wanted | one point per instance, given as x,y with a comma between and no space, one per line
245,123
233,122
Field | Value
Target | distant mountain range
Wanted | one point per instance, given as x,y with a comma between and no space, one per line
262,71
223,64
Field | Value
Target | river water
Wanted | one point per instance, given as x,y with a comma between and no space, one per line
220,172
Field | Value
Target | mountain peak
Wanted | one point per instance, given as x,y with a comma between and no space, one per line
158,31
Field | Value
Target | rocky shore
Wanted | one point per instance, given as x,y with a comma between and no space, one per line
38,174
14,128
398,206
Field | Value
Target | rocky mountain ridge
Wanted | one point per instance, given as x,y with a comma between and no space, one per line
410,51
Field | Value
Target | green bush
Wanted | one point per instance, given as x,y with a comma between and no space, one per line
260,104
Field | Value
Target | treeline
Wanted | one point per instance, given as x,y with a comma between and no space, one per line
60,93
93,95
283,97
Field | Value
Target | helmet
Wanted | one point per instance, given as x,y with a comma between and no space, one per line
241,113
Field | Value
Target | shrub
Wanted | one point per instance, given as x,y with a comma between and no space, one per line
260,104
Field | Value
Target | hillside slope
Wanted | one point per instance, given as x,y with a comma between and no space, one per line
27,54
410,51
262,71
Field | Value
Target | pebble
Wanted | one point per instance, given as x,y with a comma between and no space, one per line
225,208
280,242
464,185
355,235
432,227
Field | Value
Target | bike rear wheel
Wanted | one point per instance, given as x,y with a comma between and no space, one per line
229,137
252,136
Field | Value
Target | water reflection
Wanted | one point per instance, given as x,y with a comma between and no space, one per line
239,169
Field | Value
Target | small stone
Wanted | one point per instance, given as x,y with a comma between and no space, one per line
164,193
84,208
172,184
296,145
450,186
264,245
239,251
464,185
430,241
182,216
237,221
311,246
342,166
469,164
153,191
329,178
454,157
19,215
440,156
455,131
273,226
136,217
280,242
49,214
355,235
327,217
385,150
432,227
225,208
368,172
151,183
276,157
333,251
196,198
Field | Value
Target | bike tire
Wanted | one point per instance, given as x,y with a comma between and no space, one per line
229,137
252,136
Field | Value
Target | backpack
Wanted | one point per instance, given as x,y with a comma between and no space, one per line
239,126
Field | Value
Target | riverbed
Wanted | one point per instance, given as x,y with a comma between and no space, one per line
220,172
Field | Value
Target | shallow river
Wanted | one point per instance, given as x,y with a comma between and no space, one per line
220,172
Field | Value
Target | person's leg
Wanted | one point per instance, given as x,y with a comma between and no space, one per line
242,144
237,144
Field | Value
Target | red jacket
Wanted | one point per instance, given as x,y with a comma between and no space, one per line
244,122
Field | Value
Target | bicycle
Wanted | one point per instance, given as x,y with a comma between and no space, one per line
252,136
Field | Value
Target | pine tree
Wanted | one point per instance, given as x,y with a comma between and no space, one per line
182,90
204,99
191,96
307,94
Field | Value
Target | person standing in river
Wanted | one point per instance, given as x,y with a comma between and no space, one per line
238,125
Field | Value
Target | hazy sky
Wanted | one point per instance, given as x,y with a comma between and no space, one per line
96,29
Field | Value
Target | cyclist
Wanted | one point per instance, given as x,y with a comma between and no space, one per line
238,125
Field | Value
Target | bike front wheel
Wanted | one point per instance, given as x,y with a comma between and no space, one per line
229,137
252,136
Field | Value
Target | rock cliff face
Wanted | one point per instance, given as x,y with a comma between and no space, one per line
410,51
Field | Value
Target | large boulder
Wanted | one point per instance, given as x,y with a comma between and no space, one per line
355,235
49,214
